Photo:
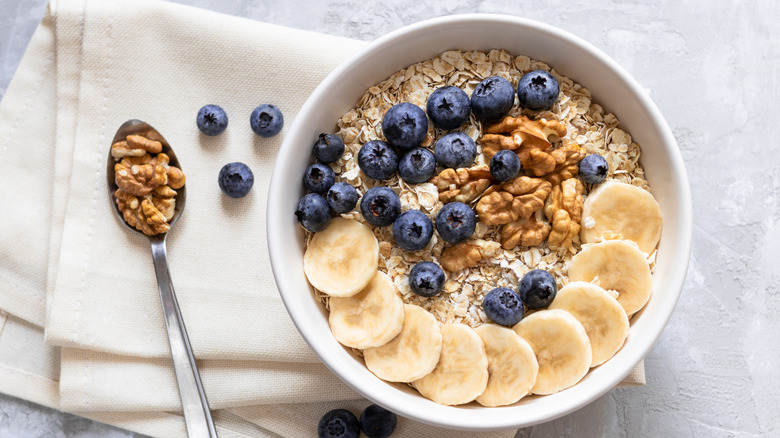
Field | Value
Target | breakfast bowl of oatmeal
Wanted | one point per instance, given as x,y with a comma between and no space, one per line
480,222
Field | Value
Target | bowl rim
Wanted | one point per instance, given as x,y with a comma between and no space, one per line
466,421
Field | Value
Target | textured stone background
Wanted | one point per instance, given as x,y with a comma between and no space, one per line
713,69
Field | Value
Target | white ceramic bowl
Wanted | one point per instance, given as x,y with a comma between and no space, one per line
609,84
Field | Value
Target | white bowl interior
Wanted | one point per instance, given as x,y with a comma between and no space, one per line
610,86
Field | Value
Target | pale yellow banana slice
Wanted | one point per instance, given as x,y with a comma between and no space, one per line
616,265
371,318
410,355
604,319
341,259
512,366
616,209
462,372
561,346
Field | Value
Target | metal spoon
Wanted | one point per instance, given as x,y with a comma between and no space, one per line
197,415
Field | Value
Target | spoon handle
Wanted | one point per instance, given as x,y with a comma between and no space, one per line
197,415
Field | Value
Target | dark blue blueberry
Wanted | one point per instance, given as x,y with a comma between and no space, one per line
405,125
412,230
312,212
380,206
594,169
426,279
448,107
504,165
212,120
318,178
377,159
455,150
456,222
377,422
329,148
537,289
266,120
342,198
338,423
492,98
236,179
503,306
537,90
417,165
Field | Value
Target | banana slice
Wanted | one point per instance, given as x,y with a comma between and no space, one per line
371,318
512,366
599,312
619,209
617,265
341,259
561,346
410,355
462,372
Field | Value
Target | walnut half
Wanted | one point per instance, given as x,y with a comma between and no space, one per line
515,199
462,185
564,210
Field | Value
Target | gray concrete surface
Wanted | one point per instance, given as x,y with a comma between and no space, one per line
713,69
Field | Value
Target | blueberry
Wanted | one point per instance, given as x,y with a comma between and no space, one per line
236,179
312,212
377,422
537,90
594,169
503,306
417,165
266,120
338,423
455,150
537,289
318,178
405,125
212,120
448,107
426,279
456,222
492,98
380,206
412,230
342,198
377,159
328,148
504,165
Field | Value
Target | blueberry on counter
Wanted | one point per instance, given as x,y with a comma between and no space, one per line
377,159
412,230
503,306
342,198
318,178
405,125
537,90
456,222
537,289
455,150
426,279
377,422
594,169
504,165
492,98
380,206
338,423
212,120
328,148
448,107
313,212
417,166
266,120
236,179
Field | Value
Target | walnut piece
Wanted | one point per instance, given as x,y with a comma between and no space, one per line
525,232
567,159
142,215
468,254
528,138
135,146
462,185
515,199
564,210
140,175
